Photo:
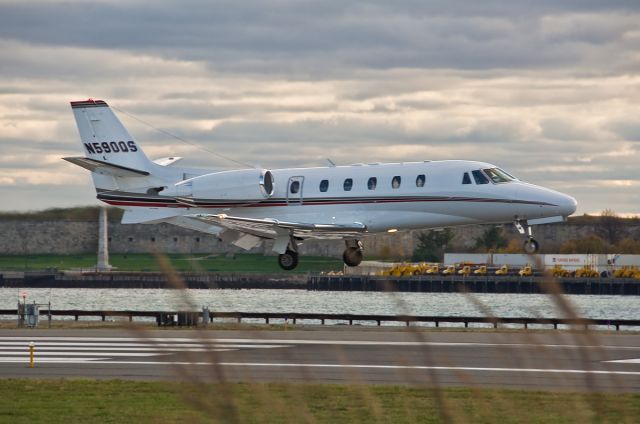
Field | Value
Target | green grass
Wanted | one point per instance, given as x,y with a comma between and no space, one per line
180,262
82,401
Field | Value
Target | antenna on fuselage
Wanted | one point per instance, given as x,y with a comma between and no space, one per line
330,163
194,144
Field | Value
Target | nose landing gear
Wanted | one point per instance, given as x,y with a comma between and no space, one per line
530,245
352,255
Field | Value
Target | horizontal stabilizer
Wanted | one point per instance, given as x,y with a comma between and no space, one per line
106,168
167,161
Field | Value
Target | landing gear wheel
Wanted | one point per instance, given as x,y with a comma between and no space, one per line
352,256
288,260
531,246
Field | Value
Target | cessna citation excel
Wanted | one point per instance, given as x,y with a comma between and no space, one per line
248,206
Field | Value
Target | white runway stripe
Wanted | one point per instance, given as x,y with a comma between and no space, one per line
107,344
21,359
66,347
626,361
107,354
138,346
352,366
308,342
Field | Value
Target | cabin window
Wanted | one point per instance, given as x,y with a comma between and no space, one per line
324,185
466,179
395,182
479,177
294,187
420,179
371,184
348,184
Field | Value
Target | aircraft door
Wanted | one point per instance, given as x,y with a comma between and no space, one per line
294,190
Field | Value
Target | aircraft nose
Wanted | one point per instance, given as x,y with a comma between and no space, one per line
568,205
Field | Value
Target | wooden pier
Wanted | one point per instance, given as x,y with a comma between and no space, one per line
485,284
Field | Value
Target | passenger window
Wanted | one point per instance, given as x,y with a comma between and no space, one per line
324,185
348,183
395,183
371,184
420,180
479,177
295,187
466,179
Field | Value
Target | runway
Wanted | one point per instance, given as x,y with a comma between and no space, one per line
545,360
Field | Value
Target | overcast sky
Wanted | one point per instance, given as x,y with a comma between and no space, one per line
548,90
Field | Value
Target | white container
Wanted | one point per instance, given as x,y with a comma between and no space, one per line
467,258
625,260
515,259
575,261
369,268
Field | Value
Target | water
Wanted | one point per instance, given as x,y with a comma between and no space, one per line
300,301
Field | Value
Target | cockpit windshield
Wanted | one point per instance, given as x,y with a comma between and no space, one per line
497,175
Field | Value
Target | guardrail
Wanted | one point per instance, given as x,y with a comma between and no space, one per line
192,318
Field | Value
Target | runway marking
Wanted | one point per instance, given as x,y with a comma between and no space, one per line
195,347
45,353
308,342
56,349
22,359
437,368
626,361
95,361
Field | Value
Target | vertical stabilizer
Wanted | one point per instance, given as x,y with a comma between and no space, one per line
105,139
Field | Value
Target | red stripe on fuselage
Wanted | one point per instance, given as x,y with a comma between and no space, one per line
309,202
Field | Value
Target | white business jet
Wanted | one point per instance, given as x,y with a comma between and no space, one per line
247,206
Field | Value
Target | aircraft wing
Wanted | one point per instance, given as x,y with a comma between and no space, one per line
273,228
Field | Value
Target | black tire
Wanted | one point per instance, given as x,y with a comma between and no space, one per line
288,260
352,256
531,246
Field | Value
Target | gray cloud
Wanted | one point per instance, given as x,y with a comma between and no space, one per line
314,36
547,90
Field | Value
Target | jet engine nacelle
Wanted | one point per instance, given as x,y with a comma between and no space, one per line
243,184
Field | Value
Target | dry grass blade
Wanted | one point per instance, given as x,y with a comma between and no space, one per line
223,402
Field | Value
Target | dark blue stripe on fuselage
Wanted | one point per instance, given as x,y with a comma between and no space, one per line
141,200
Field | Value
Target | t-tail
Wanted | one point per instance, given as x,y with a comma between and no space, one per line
122,174
109,148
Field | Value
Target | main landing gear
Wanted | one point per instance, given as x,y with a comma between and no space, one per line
352,255
289,259
530,245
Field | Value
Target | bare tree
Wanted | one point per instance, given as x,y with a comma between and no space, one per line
610,226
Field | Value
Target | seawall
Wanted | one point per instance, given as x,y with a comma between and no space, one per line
74,237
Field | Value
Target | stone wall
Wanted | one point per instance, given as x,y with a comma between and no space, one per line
68,237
